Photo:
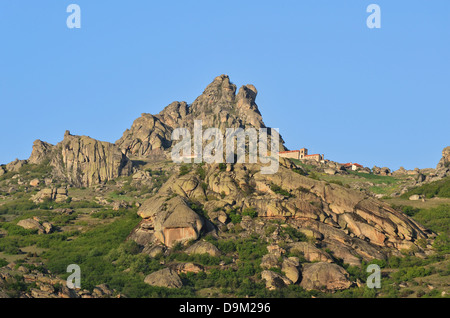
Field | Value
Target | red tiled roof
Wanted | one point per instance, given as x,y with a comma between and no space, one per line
349,164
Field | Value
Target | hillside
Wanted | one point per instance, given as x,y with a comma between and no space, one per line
140,225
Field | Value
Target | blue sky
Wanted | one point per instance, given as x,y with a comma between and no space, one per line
329,83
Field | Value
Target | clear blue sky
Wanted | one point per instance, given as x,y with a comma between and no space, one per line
329,83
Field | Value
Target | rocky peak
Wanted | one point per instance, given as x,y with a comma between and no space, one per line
217,98
247,93
217,107
174,114
220,93
40,152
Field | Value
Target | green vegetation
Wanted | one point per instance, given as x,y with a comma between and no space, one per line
184,169
36,171
198,208
94,237
436,219
17,206
440,188
251,212
277,189
201,172
234,216
294,234
3,262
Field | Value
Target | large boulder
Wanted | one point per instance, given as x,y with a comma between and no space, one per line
324,276
164,278
173,220
290,268
310,252
58,195
31,224
203,247
36,224
269,261
274,280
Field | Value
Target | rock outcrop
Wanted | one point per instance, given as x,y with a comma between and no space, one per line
384,171
310,252
218,107
51,194
164,278
353,225
443,167
171,221
324,276
40,153
274,280
83,161
15,165
148,136
36,224
203,247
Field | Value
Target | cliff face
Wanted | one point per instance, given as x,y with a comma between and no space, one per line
83,161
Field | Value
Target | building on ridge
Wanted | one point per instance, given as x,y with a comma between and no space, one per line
301,154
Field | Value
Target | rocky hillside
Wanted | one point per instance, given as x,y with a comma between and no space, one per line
148,227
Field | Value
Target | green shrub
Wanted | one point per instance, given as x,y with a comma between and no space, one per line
234,216
294,234
3,262
277,189
201,172
251,212
408,210
408,274
184,169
